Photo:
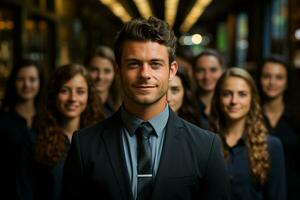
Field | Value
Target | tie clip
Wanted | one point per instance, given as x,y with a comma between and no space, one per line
144,175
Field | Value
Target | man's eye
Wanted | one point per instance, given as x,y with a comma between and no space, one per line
156,64
133,65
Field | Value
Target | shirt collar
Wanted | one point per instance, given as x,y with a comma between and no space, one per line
132,122
241,142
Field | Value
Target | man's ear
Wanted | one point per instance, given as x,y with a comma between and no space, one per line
173,70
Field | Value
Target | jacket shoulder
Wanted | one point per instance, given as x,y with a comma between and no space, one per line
196,132
99,128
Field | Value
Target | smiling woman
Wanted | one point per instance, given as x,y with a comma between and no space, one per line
70,103
103,70
255,160
181,97
281,115
18,126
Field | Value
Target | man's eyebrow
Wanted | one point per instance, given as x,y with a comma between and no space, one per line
138,60
157,59
131,59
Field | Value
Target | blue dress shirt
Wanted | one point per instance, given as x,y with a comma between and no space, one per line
129,141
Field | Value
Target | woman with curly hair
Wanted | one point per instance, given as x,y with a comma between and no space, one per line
181,98
70,103
254,159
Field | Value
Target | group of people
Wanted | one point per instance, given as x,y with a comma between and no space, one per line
211,138
38,119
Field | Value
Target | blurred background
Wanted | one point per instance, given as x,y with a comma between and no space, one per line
56,32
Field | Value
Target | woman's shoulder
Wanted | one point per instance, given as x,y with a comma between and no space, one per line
274,144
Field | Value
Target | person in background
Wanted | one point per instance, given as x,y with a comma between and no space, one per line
145,151
208,68
70,103
18,128
274,78
181,97
255,160
102,68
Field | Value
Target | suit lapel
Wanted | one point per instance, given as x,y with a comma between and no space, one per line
170,148
113,141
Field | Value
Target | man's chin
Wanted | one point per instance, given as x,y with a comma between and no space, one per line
146,101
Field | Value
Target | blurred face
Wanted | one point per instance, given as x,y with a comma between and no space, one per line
145,73
273,79
235,99
207,72
175,93
102,73
27,83
72,98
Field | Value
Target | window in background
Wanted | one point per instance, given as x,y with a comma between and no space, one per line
222,44
39,41
279,26
241,39
6,46
275,33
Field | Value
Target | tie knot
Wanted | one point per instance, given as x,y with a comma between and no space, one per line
145,129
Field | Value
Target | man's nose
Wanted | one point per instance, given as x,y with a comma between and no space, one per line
145,70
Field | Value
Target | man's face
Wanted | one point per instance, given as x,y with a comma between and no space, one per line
145,73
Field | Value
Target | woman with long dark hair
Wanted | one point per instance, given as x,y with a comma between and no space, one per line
254,159
208,68
70,103
181,98
18,127
281,115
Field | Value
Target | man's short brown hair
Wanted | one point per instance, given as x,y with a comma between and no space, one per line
151,29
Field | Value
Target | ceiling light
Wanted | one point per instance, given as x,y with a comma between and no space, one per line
297,34
170,11
117,9
196,39
194,14
144,8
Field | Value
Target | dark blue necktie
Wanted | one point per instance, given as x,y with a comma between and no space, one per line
144,168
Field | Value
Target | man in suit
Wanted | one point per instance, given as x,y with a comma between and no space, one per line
183,161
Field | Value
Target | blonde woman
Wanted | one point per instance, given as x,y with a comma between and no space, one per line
254,160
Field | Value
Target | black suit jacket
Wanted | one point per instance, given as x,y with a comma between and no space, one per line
191,164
